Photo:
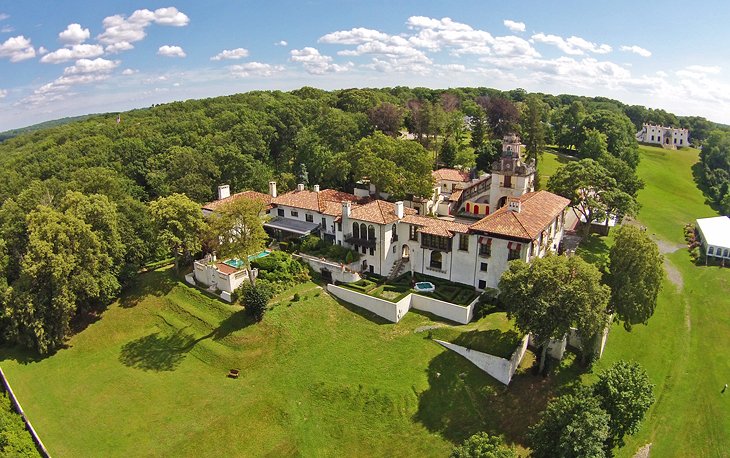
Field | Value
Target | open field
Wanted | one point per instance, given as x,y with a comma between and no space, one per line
319,378
684,347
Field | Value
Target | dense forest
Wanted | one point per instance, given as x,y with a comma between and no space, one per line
75,224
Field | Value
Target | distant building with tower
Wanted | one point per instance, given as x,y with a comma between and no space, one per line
666,137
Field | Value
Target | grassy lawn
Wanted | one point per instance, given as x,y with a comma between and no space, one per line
684,346
549,162
318,378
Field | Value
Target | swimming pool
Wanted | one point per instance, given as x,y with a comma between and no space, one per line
425,287
238,263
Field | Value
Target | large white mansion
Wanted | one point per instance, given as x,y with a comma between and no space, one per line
467,232
667,137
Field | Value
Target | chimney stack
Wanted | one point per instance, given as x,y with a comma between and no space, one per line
272,188
515,205
346,208
399,209
316,188
300,187
224,191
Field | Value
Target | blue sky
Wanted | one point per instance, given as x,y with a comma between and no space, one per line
68,58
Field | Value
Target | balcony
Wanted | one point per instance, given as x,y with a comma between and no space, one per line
368,243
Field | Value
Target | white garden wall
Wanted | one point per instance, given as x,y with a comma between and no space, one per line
343,273
453,312
386,309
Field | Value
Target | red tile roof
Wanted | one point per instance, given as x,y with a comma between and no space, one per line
253,195
315,201
450,175
225,269
378,211
538,210
454,197
436,226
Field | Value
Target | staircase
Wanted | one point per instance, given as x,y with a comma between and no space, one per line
397,268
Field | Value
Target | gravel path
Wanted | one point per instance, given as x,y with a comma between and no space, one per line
644,451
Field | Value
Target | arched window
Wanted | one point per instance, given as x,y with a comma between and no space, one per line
711,250
436,260
468,207
476,209
371,232
355,230
363,231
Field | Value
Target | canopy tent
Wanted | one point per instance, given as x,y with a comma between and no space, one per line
715,234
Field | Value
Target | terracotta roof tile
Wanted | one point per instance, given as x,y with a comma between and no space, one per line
435,226
538,210
225,268
454,197
378,211
451,175
315,201
253,195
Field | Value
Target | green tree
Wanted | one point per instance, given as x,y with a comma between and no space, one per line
568,122
625,393
478,130
179,223
483,445
255,299
448,152
594,145
620,134
591,190
553,293
238,227
635,276
387,118
534,130
572,426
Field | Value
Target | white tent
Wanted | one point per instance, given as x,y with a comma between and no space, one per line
715,234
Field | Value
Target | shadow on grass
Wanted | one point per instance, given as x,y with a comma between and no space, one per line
462,400
164,352
594,250
370,316
156,283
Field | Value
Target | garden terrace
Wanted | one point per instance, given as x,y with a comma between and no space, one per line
398,288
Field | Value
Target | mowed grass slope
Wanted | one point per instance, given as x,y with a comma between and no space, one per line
318,378
684,348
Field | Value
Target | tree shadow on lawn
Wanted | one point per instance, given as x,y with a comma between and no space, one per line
154,283
462,400
368,315
492,341
164,352
594,250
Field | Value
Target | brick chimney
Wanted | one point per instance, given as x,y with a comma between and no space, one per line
224,191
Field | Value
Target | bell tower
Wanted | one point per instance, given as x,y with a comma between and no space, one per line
511,177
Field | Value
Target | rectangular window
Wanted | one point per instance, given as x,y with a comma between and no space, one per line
435,242
294,213
280,212
394,248
464,242
412,232
482,284
309,218
363,249
372,251
508,181
514,253
324,223
339,226
483,266
485,247
710,251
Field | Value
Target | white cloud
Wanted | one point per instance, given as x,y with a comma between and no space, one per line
704,69
572,45
17,49
3,93
129,71
119,29
237,53
281,43
74,34
255,69
42,51
171,51
316,63
354,36
514,26
637,50
84,71
119,47
7,29
75,52
4,16
662,74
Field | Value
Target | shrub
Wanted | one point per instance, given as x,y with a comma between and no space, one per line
255,300
282,269
311,244
482,445
349,257
296,297
14,439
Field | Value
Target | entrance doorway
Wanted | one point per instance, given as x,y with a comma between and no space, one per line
406,252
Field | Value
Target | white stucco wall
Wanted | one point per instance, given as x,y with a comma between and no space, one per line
343,273
497,367
390,311
453,312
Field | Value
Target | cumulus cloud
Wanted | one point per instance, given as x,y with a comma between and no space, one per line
514,26
3,93
237,53
129,71
354,36
17,49
84,71
637,50
119,47
171,51
281,43
120,31
316,63
572,45
82,51
255,69
74,34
